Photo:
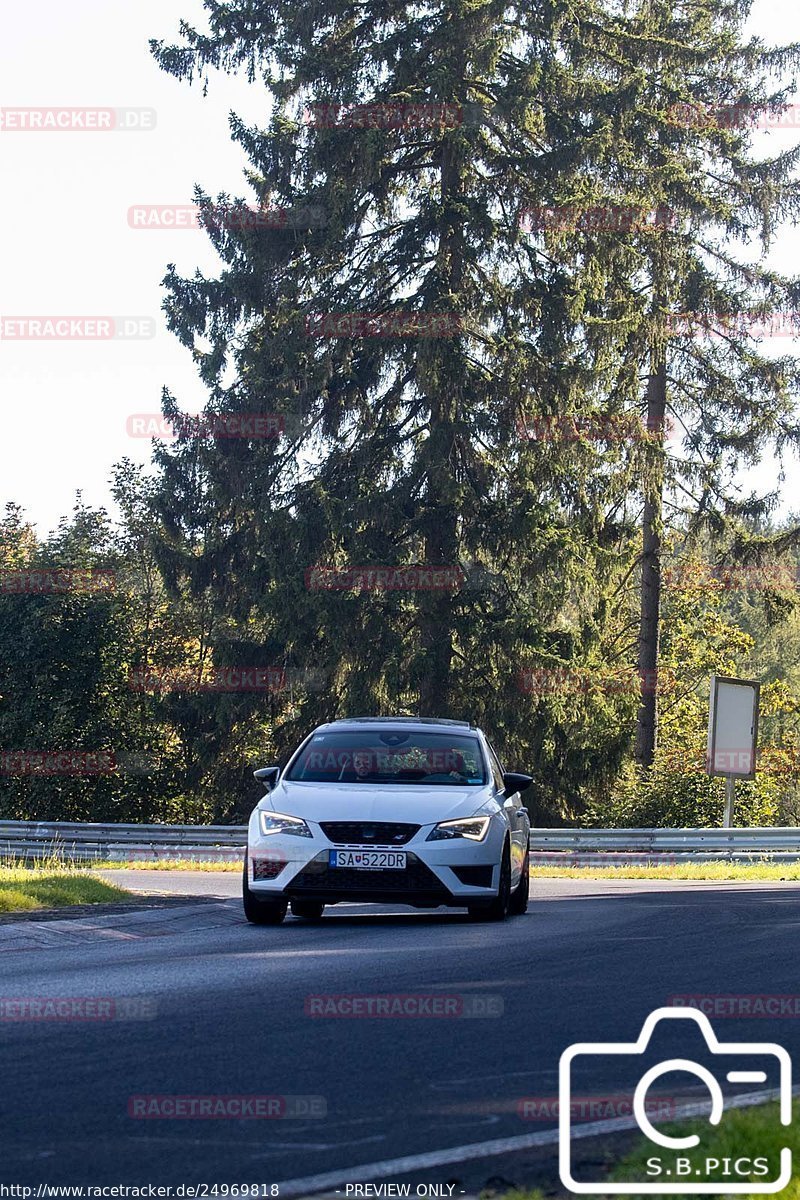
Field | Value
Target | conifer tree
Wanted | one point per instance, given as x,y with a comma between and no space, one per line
404,154
698,207
409,448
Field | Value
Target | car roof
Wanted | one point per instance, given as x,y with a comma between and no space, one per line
402,722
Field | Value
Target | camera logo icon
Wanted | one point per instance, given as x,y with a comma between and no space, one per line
681,1166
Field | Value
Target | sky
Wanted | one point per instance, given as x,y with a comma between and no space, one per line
69,248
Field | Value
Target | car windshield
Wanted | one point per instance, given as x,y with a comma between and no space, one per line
390,756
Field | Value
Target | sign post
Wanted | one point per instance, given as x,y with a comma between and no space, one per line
732,734
730,796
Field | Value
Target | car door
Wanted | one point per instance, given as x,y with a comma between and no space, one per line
517,814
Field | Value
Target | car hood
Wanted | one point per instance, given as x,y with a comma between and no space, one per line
361,802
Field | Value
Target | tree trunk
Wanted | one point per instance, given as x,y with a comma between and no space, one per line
445,399
650,600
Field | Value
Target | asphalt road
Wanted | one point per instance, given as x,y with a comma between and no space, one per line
229,1017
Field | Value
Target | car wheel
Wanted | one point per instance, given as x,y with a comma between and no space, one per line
497,909
312,910
261,912
519,897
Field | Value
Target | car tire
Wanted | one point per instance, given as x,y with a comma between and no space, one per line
312,910
497,909
261,912
519,897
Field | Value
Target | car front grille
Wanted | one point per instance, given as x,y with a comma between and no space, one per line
368,833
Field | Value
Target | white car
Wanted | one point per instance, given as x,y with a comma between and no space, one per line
389,810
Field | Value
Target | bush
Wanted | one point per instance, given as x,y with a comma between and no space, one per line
672,796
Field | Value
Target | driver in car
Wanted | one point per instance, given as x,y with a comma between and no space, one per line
362,765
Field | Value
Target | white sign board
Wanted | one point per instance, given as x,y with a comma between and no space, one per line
732,727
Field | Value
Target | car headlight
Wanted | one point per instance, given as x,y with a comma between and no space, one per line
473,828
272,822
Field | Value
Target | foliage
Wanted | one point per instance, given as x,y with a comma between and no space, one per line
701,636
26,889
743,1134
407,441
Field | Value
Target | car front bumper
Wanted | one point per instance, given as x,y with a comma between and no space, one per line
454,873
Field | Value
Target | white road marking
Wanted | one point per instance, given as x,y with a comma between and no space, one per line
330,1180
447,1085
271,1149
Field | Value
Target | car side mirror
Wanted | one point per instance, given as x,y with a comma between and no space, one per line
268,776
514,782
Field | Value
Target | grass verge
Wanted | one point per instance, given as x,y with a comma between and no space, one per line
717,869
171,864
757,872
58,861
25,889
744,1134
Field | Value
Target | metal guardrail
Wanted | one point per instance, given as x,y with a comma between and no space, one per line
597,847
120,843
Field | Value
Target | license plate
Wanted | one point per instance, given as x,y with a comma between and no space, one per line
368,860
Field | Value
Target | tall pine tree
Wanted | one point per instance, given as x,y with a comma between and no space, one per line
410,448
698,204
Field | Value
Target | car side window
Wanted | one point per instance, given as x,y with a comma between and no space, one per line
497,770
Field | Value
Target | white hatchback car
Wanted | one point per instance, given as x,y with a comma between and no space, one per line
389,810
